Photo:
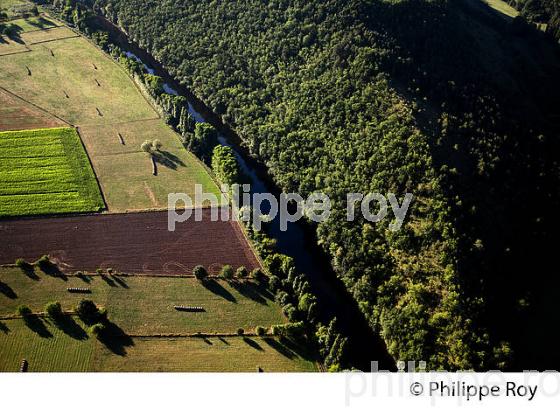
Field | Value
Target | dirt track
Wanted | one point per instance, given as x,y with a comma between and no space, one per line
132,243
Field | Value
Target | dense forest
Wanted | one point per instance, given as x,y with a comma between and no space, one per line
541,12
444,99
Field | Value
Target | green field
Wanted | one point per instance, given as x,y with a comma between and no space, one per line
144,305
45,171
72,349
502,7
96,94
142,308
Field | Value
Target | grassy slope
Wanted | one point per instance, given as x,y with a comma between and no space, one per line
125,173
45,171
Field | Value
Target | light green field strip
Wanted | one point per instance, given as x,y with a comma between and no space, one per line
144,305
45,171
502,7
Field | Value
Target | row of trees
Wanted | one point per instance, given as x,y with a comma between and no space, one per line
439,98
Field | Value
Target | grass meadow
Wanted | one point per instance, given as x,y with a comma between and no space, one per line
96,95
141,308
45,171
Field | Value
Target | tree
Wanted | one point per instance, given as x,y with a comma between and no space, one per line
147,146
23,265
200,272
44,262
240,332
260,331
241,272
88,311
54,310
157,144
23,311
257,275
97,329
227,272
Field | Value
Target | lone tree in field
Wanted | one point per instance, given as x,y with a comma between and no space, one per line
200,272
147,147
156,144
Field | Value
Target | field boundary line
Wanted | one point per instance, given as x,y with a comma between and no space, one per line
92,168
121,122
52,40
27,50
37,107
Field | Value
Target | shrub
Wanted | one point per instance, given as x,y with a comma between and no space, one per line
88,311
109,270
200,272
97,329
156,144
147,146
242,272
23,264
44,262
24,311
99,271
240,332
54,310
260,331
227,272
257,275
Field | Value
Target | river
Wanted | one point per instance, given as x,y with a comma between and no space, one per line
297,242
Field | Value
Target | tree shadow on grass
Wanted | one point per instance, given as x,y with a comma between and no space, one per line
115,339
280,347
168,159
109,280
3,328
13,32
29,271
215,287
37,325
253,343
85,278
69,326
7,291
249,290
51,269
120,281
224,341
40,23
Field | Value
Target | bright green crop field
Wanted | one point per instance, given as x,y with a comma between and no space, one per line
45,171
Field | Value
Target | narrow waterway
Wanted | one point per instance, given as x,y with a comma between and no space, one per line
299,243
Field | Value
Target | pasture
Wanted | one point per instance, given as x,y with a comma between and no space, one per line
150,335
503,7
112,115
143,305
45,171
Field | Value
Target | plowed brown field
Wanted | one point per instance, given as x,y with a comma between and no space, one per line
138,243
